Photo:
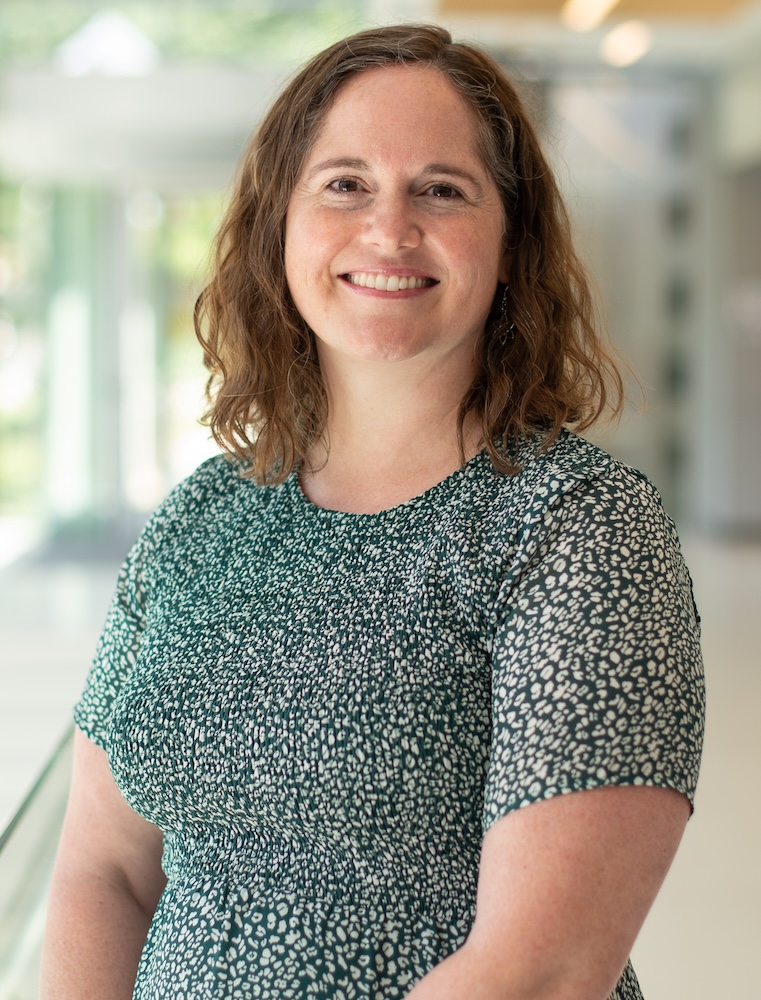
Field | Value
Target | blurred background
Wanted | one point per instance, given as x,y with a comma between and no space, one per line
120,127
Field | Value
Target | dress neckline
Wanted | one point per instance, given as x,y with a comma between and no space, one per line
444,487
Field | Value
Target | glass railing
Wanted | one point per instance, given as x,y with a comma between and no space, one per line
27,852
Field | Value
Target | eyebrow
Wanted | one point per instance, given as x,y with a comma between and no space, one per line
451,171
339,161
348,163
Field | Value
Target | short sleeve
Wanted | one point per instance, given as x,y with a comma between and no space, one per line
119,643
596,670
151,563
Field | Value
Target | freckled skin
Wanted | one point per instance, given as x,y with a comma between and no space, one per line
411,197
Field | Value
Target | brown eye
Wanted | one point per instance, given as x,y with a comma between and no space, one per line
443,191
346,185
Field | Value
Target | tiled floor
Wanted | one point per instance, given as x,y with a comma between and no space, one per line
701,939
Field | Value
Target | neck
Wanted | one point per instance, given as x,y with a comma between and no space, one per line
389,437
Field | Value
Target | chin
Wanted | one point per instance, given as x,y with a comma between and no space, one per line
380,346
389,351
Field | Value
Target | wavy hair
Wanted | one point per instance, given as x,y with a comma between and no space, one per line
545,367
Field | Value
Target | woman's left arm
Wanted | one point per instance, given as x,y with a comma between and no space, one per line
564,887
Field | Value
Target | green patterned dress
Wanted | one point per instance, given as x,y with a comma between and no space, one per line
324,711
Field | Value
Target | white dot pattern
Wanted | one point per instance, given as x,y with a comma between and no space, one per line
324,711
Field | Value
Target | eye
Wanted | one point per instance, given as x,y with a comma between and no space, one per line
443,191
344,185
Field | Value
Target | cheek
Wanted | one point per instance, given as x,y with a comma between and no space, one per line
299,239
310,245
476,252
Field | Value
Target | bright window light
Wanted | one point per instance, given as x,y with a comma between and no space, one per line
69,417
585,15
109,44
626,43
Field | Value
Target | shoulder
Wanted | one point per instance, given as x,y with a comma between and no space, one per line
574,465
571,478
200,515
570,498
215,480
601,493
218,486
604,523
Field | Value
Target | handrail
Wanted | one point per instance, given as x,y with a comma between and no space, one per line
27,851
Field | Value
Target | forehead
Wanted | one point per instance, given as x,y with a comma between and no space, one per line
412,107
416,80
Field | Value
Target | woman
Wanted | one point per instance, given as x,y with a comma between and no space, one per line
408,692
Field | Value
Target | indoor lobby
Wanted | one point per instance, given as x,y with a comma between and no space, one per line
120,129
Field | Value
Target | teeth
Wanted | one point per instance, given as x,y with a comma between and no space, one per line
387,282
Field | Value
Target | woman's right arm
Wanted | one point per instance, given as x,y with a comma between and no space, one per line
106,884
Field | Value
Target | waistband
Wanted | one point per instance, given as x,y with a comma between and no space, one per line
410,878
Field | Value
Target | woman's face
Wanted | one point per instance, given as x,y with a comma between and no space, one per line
394,231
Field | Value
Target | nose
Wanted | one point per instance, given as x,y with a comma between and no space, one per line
392,223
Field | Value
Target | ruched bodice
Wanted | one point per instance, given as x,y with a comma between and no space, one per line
423,880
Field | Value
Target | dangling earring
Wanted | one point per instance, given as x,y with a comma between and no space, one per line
505,327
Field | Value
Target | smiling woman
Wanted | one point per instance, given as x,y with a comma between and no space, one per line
402,696
270,400
418,205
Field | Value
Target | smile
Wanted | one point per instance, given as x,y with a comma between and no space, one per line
387,282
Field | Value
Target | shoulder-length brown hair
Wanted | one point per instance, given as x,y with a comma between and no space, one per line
543,364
